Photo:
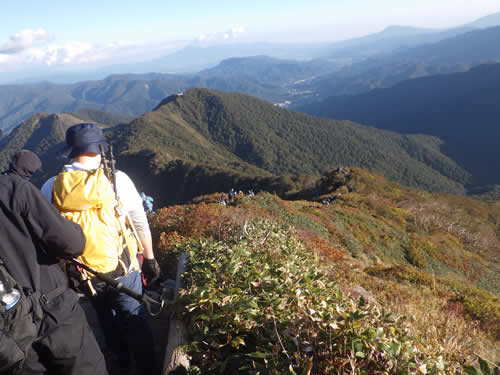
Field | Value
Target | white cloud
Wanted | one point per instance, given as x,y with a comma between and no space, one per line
36,47
23,40
67,53
232,34
78,55
58,54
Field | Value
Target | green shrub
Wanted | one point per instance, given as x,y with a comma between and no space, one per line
261,305
415,255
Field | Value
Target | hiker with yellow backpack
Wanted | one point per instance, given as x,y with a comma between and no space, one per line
110,212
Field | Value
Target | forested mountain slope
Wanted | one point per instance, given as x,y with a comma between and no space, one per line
135,94
461,109
230,136
235,130
126,95
44,134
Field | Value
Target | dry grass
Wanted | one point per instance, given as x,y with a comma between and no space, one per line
429,314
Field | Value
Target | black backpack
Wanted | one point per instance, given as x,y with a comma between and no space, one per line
19,325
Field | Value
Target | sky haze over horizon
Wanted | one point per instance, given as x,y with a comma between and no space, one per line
76,35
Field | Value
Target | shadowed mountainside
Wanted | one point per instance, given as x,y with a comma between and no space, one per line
461,109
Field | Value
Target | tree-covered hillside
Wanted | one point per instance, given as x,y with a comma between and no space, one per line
126,96
265,68
230,134
134,94
461,109
44,134
234,130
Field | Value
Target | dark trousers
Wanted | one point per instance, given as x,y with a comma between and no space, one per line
69,349
124,324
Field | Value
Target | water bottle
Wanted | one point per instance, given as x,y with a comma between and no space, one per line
9,300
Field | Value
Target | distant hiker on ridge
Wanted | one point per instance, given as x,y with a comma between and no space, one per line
223,199
147,201
232,194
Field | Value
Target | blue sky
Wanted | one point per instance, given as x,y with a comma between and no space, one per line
109,20
68,33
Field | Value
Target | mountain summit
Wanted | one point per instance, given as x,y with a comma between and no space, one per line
486,21
244,133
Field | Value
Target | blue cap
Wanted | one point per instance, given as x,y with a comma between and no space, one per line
81,138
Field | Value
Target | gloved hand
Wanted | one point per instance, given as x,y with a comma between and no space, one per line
150,270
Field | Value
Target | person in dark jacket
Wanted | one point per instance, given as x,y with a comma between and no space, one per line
24,164
33,236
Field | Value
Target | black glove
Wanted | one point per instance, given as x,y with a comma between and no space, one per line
150,270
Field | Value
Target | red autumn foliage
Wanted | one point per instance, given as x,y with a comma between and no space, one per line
174,224
322,246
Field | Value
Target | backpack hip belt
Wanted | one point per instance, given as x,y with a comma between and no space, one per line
122,269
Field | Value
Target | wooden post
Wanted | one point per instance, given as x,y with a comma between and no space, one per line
174,355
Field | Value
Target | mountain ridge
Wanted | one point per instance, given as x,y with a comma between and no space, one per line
135,94
459,108
454,54
248,136
489,20
246,131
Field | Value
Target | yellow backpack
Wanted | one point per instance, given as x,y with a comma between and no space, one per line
87,198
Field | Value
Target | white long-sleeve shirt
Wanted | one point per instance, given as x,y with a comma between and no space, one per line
127,192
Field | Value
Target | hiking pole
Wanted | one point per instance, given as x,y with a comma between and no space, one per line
148,301
112,166
110,172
